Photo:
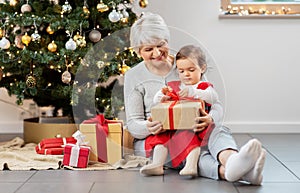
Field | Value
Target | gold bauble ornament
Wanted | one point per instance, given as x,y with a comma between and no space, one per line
52,47
124,69
77,36
2,32
49,30
30,81
143,3
13,2
86,11
81,42
26,39
66,77
101,7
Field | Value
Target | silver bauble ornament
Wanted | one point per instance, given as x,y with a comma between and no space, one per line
66,8
66,77
95,35
114,16
26,8
71,44
4,43
35,36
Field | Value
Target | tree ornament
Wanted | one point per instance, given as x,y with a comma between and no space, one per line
143,3
77,36
81,42
86,11
30,81
124,68
101,7
2,32
66,77
114,16
26,8
71,44
18,42
26,39
35,36
66,8
13,3
4,43
52,47
95,36
49,30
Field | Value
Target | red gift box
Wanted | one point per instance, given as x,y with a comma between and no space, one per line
57,143
51,151
76,156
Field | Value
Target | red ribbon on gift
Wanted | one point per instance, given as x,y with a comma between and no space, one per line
101,134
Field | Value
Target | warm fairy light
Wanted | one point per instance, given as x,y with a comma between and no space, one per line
51,67
234,10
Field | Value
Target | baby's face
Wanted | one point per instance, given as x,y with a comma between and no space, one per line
189,73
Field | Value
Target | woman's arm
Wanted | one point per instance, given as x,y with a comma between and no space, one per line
134,108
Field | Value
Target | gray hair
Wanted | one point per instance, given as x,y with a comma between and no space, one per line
148,29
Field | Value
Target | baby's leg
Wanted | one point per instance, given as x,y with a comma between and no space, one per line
160,153
191,165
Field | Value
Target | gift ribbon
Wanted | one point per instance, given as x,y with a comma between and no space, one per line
74,155
101,135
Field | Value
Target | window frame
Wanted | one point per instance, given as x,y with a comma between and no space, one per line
272,8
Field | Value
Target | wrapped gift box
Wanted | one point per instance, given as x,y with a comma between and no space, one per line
55,142
53,146
76,156
176,114
37,129
50,151
104,147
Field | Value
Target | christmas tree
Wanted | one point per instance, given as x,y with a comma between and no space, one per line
66,54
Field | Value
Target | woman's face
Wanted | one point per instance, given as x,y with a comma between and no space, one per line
155,54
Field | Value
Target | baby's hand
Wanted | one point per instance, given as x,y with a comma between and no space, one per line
183,93
165,98
165,90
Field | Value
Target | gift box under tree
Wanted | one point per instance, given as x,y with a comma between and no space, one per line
104,137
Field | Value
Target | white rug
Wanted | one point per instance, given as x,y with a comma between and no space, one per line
16,155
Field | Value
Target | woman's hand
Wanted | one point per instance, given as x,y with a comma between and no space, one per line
154,127
203,121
